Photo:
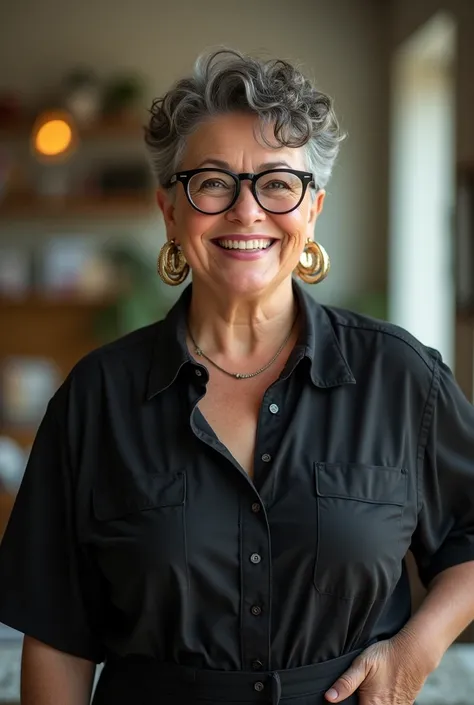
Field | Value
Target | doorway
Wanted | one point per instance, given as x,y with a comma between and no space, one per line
422,186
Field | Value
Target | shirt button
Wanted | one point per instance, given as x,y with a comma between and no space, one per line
266,457
256,610
274,408
198,373
258,686
255,558
256,507
257,665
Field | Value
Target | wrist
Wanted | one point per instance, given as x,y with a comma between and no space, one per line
417,644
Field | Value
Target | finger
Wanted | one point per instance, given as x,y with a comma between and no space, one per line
348,683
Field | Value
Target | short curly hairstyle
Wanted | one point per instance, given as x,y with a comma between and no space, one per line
228,81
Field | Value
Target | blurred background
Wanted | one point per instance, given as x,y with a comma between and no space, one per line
79,228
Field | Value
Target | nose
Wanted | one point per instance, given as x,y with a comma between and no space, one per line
246,210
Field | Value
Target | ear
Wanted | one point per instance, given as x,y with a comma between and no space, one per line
166,205
316,208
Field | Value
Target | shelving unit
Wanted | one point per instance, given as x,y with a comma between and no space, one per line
31,207
58,327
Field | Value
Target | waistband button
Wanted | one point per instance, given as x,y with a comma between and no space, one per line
258,686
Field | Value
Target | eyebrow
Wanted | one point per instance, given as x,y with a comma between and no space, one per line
225,165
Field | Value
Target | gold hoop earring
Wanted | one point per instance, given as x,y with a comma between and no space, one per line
314,264
172,266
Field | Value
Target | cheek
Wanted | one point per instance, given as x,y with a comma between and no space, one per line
295,228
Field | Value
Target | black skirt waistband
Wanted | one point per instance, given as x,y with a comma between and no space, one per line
144,681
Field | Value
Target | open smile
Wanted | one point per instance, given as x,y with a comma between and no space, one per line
244,245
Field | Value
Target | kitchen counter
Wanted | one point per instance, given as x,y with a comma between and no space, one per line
451,684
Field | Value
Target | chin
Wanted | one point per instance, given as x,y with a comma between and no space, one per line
246,285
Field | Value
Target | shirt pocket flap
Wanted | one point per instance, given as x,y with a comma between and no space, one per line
376,484
147,492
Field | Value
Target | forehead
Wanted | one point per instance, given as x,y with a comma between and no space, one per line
235,138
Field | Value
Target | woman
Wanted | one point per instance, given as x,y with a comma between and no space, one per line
219,505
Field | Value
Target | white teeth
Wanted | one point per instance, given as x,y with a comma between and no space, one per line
245,244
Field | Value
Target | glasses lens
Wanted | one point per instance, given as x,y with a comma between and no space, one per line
211,191
279,191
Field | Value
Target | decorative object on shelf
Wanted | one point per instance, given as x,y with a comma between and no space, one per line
27,385
132,177
13,460
82,96
15,271
123,95
74,265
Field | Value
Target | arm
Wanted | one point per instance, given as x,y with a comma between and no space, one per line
49,676
443,546
447,610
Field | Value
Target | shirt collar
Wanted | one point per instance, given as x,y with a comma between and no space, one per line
317,342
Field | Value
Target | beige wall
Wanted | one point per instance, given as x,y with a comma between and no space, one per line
341,43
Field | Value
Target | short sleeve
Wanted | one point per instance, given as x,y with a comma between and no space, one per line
445,533
44,575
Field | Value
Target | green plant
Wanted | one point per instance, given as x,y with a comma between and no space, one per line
122,93
142,298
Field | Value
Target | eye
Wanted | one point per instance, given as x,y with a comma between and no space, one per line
276,185
213,184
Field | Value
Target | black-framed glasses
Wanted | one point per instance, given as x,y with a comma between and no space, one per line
213,191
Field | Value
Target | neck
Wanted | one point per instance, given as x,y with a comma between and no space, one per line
235,328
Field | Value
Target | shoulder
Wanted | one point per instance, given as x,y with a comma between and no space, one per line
368,341
111,368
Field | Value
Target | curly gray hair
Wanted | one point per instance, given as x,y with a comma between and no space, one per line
227,81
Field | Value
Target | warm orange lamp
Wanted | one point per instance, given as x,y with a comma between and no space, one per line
53,136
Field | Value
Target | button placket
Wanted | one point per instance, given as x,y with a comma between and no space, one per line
255,586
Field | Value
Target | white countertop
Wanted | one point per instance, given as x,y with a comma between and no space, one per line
451,684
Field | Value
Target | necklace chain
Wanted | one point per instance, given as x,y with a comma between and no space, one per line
243,375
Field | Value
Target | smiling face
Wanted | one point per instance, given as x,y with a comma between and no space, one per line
245,251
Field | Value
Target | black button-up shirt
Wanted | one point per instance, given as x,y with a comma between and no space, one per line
135,532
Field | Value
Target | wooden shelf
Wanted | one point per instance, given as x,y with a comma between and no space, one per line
27,207
54,301
106,128
6,505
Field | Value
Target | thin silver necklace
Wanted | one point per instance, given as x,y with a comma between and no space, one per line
243,375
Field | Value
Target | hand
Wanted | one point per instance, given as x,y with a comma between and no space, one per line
390,672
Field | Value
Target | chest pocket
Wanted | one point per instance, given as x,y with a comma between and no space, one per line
359,511
147,492
140,528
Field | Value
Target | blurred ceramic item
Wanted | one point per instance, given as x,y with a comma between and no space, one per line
13,461
64,261
83,96
28,383
15,271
